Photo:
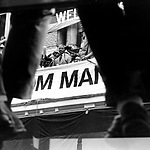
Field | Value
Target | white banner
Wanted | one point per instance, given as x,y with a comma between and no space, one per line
70,80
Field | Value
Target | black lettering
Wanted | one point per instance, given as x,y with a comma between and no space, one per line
89,79
97,72
64,77
41,82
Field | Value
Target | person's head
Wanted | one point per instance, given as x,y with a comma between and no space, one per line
83,36
61,48
82,33
82,52
44,50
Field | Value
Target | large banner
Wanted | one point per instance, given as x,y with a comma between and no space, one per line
70,80
75,84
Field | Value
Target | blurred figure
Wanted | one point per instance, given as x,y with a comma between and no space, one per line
119,38
25,41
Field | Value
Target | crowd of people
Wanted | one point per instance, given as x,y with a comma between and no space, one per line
67,54
63,54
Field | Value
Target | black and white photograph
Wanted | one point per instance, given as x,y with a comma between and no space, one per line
74,74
